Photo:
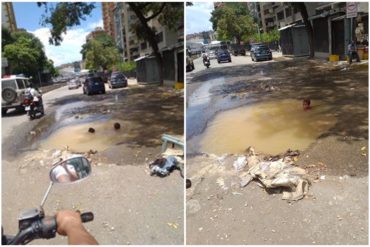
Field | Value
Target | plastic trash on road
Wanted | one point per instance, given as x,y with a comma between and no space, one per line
164,166
279,174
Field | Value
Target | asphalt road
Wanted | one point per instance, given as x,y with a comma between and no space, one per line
336,212
130,206
13,119
235,61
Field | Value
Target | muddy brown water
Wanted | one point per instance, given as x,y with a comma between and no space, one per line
271,127
78,139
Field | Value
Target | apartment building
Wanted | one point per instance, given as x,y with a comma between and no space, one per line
7,16
108,20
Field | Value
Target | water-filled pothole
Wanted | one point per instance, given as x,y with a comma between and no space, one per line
78,139
271,127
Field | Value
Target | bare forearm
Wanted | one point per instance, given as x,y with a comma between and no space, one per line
78,236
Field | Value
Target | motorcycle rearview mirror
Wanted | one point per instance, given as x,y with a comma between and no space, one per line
71,170
68,171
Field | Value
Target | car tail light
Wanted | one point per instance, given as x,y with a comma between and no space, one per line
27,101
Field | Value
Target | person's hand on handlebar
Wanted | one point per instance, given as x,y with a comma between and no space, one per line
69,224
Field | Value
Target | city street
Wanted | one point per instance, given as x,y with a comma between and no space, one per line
224,102
127,202
236,60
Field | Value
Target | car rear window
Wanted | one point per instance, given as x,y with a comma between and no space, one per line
8,84
120,75
94,79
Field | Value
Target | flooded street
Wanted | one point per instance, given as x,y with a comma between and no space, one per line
128,195
260,105
271,127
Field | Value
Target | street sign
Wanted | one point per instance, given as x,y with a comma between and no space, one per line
351,9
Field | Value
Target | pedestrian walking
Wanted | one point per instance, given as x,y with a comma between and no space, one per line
352,51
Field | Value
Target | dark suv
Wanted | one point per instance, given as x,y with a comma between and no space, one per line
260,52
117,79
93,85
223,55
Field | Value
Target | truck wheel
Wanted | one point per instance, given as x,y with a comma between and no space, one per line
9,95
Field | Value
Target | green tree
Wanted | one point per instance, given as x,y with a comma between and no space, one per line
267,37
169,14
25,54
126,66
99,56
63,15
105,39
232,20
6,37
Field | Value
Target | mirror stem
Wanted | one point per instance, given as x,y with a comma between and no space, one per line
46,194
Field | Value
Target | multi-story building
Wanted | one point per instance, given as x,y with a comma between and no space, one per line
8,17
126,40
332,29
108,18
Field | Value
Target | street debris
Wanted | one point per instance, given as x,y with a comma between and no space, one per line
162,167
240,163
188,183
91,130
116,126
173,225
278,174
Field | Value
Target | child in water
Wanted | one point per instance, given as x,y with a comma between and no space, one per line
306,104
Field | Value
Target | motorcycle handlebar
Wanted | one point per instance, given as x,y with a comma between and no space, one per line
45,228
86,217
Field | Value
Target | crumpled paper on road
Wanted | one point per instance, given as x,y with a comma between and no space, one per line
279,174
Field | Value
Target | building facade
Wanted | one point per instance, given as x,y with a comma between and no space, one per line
108,18
7,16
333,31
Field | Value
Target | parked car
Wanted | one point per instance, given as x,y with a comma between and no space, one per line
261,52
189,64
93,85
73,84
13,92
212,53
117,79
238,50
223,55
104,76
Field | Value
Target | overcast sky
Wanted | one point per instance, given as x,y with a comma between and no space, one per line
197,17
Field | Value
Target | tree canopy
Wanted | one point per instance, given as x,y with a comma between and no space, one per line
100,53
233,20
63,15
25,54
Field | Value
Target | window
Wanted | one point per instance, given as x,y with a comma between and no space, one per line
8,84
288,12
20,84
280,15
295,10
159,37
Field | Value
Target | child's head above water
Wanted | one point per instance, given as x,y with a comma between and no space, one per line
306,104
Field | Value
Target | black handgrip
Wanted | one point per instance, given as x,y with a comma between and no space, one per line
86,217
